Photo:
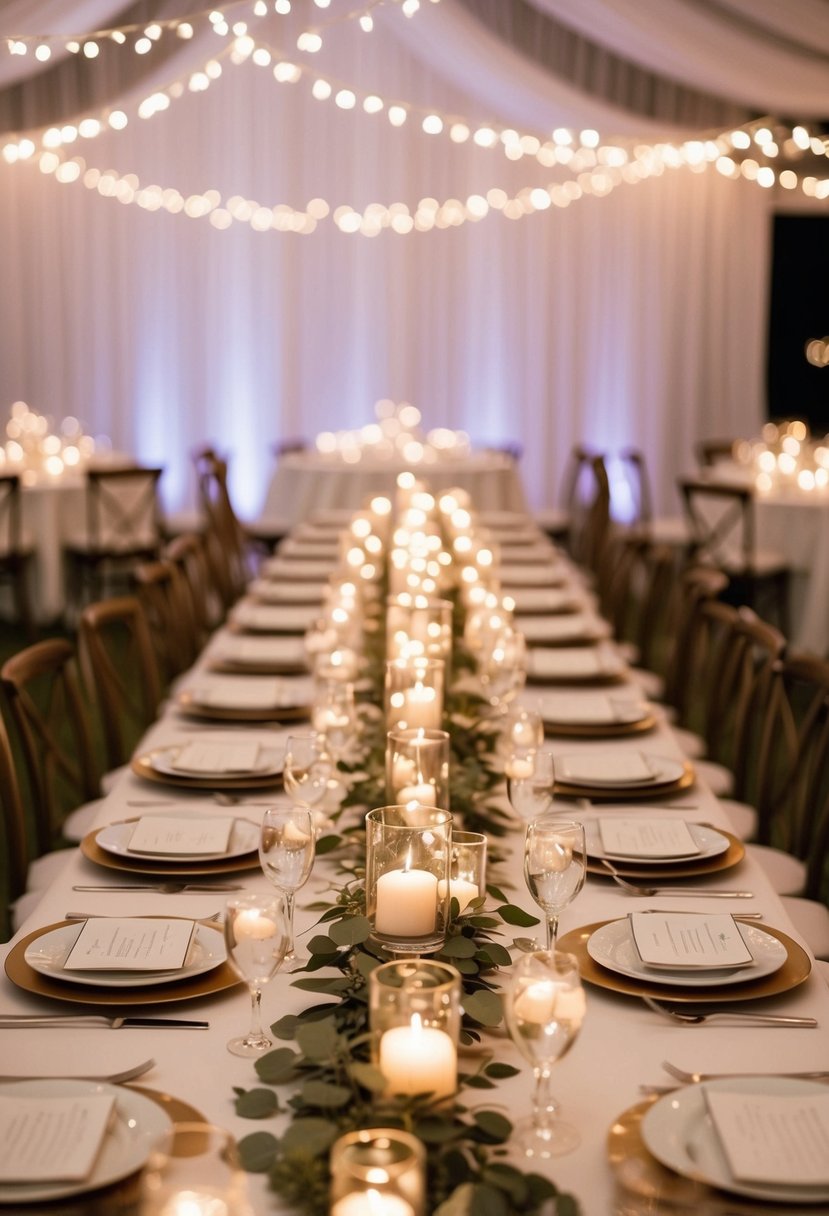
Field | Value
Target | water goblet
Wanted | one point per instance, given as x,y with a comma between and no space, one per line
502,666
286,852
307,769
544,1008
256,935
531,778
521,728
334,715
554,864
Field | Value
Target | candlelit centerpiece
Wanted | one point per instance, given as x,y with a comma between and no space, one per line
407,857
377,1171
414,1018
417,766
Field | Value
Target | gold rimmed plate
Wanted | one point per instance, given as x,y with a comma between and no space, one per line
188,704
671,777
25,977
171,867
687,867
794,970
146,766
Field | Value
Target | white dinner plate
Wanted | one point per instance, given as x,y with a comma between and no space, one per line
680,1133
709,842
591,709
274,618
612,947
563,628
290,568
272,592
270,764
531,575
115,838
137,1124
663,770
49,952
580,665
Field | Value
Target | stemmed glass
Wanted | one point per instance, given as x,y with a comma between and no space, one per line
554,861
502,666
256,934
531,779
286,852
307,770
334,715
544,1008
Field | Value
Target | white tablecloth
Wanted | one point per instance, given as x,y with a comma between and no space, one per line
621,1045
307,481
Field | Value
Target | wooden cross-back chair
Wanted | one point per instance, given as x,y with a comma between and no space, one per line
120,667
189,553
723,532
590,514
15,555
53,723
713,451
227,544
123,527
162,589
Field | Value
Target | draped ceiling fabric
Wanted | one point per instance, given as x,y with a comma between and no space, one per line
638,318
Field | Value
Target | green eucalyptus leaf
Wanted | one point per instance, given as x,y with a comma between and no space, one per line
285,1027
320,944
257,1104
327,844
365,963
500,1071
330,986
277,1066
495,1126
474,1199
496,893
566,1205
466,966
541,1189
324,1093
309,1135
495,954
257,1152
318,1040
351,931
476,1080
484,1007
367,1076
432,1129
516,916
509,1180
458,947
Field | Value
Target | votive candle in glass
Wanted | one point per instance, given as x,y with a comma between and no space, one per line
407,857
414,1021
378,1171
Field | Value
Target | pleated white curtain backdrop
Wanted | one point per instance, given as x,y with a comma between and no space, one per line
634,319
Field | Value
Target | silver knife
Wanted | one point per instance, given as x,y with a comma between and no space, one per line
30,1021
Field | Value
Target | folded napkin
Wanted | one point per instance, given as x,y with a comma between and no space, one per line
253,692
285,592
590,708
606,768
546,599
778,1139
290,651
530,575
288,618
578,663
541,629
288,568
211,757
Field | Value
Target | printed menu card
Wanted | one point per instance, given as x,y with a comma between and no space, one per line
134,943
647,838
179,835
773,1138
217,758
52,1139
688,941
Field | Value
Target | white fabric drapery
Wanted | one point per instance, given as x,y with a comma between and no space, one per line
634,319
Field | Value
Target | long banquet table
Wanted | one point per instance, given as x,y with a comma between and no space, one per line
622,1042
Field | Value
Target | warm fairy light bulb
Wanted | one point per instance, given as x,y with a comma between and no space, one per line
366,23
309,41
43,52
184,30
373,104
321,90
142,46
397,115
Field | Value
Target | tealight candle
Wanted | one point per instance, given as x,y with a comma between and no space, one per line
406,903
253,925
417,1059
371,1203
519,767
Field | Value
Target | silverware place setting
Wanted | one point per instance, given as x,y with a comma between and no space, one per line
716,1017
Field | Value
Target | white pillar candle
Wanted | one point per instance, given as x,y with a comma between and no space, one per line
406,903
418,1059
421,707
252,925
421,792
462,889
371,1203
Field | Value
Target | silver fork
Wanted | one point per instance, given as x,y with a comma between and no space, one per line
694,1078
635,889
112,1078
746,1019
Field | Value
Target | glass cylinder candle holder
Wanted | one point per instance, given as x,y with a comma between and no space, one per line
417,767
378,1171
417,621
194,1169
414,694
467,869
414,1021
407,858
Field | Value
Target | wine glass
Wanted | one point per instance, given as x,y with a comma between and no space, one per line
521,729
544,1008
531,778
286,852
307,772
256,934
502,666
554,857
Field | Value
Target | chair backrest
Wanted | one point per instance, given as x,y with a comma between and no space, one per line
162,588
721,520
696,585
11,528
55,732
189,553
713,451
285,447
224,535
121,670
590,512
122,509
635,470
15,842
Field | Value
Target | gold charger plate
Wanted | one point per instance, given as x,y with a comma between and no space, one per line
679,869
629,793
218,713
600,730
25,977
142,767
646,1186
238,667
256,630
169,869
794,971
